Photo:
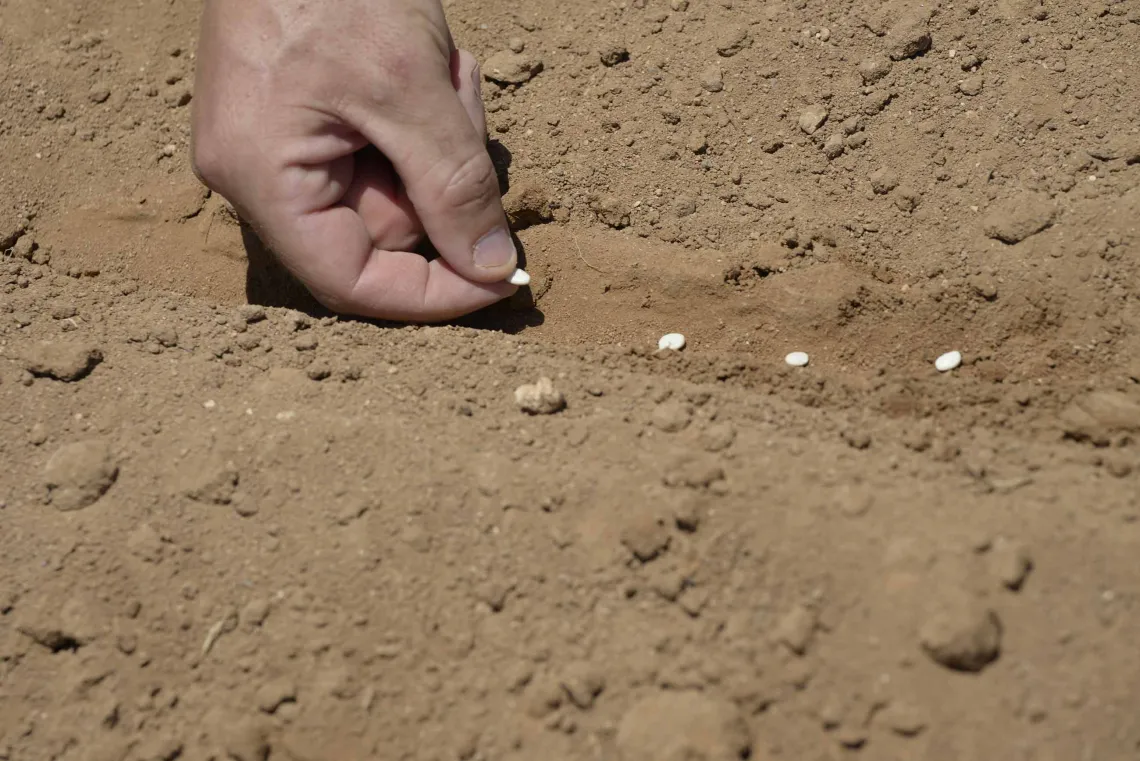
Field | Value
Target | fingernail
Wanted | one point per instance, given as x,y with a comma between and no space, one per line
495,249
477,77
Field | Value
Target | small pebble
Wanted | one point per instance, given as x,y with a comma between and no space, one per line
812,118
540,398
519,277
671,342
948,361
834,147
797,359
971,85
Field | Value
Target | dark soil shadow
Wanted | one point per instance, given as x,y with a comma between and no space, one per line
269,284
501,157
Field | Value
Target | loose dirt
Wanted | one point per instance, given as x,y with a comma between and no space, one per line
235,527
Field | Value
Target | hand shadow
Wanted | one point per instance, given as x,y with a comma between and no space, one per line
269,284
501,158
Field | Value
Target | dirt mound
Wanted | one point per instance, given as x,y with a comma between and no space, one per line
236,527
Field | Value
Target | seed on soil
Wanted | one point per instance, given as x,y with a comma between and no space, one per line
671,342
798,359
949,361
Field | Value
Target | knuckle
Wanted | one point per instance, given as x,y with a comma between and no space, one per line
472,184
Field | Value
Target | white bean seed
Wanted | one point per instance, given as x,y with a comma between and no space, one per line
671,342
948,361
797,359
519,277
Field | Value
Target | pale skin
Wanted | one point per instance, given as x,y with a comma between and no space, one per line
345,131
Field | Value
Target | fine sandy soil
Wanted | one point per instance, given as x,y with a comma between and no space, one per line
234,527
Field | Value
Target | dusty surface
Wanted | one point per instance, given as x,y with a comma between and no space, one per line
233,531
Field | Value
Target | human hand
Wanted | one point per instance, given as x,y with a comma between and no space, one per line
343,130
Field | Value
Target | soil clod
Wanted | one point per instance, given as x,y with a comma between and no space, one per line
963,635
79,474
680,726
62,360
1016,218
540,398
508,68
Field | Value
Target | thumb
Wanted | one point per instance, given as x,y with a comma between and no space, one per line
467,82
442,160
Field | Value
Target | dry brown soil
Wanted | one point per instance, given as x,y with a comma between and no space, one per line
242,531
